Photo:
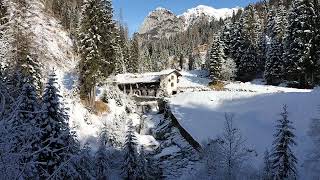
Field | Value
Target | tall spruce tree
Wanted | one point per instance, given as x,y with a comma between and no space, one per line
300,66
283,159
274,66
22,120
267,168
130,166
102,164
277,23
216,58
315,50
57,142
97,46
134,65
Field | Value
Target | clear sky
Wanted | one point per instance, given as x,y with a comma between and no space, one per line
134,11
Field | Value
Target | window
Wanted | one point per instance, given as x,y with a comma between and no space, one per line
172,77
172,84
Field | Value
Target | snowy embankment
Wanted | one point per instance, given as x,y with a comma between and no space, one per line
256,109
193,80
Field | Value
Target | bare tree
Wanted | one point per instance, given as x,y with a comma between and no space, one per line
233,148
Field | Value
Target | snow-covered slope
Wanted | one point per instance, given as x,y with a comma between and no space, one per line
256,109
163,22
202,11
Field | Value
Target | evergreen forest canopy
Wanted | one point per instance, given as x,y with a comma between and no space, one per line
277,40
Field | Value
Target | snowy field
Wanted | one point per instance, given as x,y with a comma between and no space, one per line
256,109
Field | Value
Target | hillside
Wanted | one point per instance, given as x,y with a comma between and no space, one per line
163,23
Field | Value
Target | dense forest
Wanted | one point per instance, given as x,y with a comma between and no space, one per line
277,40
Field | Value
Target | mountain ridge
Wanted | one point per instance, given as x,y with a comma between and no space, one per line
163,22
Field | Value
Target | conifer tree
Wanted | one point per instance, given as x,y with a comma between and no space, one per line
102,165
129,168
134,61
274,65
267,168
142,166
300,65
22,120
97,46
283,159
216,58
315,50
57,142
22,49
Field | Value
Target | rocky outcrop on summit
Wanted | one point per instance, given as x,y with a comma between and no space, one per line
161,23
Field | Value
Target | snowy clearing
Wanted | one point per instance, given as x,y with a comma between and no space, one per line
256,109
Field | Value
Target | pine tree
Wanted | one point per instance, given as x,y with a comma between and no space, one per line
313,161
129,168
22,56
102,165
267,169
22,119
57,142
142,166
134,62
274,65
283,160
243,52
247,69
216,58
315,50
97,46
298,42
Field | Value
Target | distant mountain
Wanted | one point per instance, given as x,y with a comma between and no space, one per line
163,23
191,16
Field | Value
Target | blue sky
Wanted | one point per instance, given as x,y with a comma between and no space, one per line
134,11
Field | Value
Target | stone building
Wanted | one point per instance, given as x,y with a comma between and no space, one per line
153,84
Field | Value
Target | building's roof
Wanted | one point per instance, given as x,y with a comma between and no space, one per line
149,77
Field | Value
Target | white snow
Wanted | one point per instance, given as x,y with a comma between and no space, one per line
193,80
256,109
212,13
171,150
129,78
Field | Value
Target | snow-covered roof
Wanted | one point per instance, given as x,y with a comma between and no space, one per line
149,77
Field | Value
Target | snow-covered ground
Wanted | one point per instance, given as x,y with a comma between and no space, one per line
193,80
256,109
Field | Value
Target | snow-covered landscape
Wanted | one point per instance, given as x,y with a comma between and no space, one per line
189,91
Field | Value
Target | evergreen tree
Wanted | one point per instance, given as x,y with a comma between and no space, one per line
102,165
247,68
216,58
313,161
283,160
142,165
276,29
56,143
315,50
97,46
267,169
22,120
134,62
130,166
243,52
274,65
300,65
22,55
